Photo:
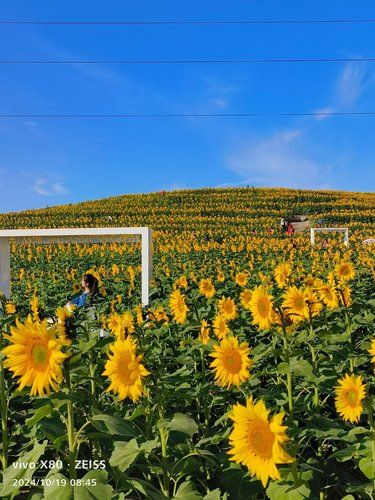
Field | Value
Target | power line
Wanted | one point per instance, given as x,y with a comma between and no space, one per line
193,61
184,22
186,115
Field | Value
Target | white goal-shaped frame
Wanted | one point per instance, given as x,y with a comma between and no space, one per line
75,235
344,230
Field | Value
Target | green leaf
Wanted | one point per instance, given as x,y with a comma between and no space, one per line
367,466
283,368
149,446
40,413
114,425
149,491
13,473
213,495
90,491
183,423
239,485
56,490
187,491
301,367
287,491
85,345
124,454
346,453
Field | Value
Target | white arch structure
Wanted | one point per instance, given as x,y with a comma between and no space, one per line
75,235
344,230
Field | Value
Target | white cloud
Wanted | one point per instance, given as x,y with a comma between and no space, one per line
279,160
351,83
46,187
216,95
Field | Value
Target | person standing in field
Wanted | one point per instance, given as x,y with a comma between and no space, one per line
90,288
290,229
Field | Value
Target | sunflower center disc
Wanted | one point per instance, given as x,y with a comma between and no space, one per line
352,397
263,308
261,439
128,371
40,356
299,303
233,362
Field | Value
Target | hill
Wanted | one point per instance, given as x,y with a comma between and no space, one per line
205,210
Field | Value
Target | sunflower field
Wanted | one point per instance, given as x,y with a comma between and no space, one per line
249,376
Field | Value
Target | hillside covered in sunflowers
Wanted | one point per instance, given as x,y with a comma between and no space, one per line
250,375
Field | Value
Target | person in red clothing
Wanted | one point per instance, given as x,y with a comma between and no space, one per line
290,229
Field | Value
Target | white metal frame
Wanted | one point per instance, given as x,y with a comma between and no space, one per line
46,236
344,230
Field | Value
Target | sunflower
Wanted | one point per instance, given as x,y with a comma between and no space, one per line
261,308
204,335
181,282
125,370
328,295
34,306
220,326
349,395
35,356
207,288
245,298
282,273
283,321
220,277
257,442
227,308
64,328
10,308
309,282
159,315
231,363
313,303
345,271
139,314
241,278
121,325
295,303
178,305
345,296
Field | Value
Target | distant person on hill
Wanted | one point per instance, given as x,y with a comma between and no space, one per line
284,225
90,288
290,229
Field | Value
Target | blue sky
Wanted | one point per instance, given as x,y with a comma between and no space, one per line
60,161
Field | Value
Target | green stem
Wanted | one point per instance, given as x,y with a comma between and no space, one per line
288,377
92,375
205,405
313,359
294,469
274,350
164,439
70,428
351,360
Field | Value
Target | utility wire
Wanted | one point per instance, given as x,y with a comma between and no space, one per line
185,115
193,61
185,22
